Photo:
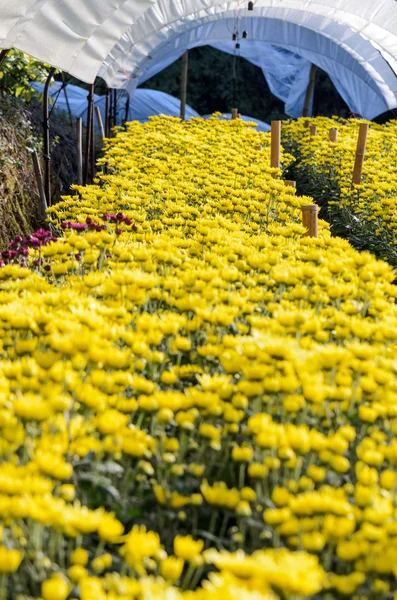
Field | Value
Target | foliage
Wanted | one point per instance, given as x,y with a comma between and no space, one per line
193,392
19,207
364,214
17,71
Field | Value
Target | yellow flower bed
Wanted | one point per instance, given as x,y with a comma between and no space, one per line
365,213
197,401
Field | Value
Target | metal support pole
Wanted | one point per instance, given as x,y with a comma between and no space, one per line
46,129
88,133
127,110
114,108
309,91
3,54
110,112
184,70
68,106
93,165
79,138
107,112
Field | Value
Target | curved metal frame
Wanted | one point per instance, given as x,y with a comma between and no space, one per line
46,131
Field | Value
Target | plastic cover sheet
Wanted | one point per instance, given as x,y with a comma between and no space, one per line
375,21
128,38
143,104
72,35
79,37
284,51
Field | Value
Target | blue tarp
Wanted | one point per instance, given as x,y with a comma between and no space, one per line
143,104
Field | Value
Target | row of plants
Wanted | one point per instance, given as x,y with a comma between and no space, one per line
197,401
364,214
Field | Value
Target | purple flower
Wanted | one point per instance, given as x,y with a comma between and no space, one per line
78,226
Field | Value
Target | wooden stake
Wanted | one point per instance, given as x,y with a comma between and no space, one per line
290,183
306,124
184,69
79,136
234,113
310,219
360,153
333,134
275,145
100,122
40,184
309,91
313,130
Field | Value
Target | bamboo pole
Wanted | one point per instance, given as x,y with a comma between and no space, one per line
290,183
184,71
313,130
100,122
360,153
39,180
333,134
310,219
309,91
79,136
234,113
275,144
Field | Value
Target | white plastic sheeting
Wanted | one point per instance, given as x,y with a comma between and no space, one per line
72,35
284,51
123,40
376,21
143,104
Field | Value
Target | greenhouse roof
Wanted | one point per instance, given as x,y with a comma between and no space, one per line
125,41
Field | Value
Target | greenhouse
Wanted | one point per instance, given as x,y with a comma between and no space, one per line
198,300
